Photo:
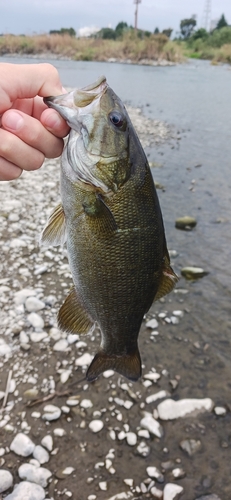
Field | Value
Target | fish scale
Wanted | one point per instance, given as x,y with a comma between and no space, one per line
111,220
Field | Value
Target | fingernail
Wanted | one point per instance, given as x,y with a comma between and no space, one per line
12,120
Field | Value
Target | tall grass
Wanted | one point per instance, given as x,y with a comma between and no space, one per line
130,47
216,46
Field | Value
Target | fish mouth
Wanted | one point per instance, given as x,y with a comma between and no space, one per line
68,104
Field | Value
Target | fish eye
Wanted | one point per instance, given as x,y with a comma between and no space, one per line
117,119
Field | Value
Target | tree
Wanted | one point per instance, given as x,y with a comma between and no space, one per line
156,31
167,32
107,33
222,23
121,28
201,33
187,27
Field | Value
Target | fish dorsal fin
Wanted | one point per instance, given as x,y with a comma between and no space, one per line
168,278
128,365
72,316
54,233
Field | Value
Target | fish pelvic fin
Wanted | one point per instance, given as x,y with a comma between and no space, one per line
54,232
72,316
168,279
128,365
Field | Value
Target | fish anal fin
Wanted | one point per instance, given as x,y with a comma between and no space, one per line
128,365
72,316
54,233
168,279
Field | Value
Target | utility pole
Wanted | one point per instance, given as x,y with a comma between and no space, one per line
136,2
207,14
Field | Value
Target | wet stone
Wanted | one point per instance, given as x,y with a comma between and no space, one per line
191,446
185,223
22,445
6,480
27,491
193,273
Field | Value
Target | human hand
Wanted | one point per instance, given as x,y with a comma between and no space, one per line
29,131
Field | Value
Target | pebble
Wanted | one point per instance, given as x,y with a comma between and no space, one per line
21,296
4,348
192,273
38,336
152,323
59,432
125,495
178,473
51,412
47,442
152,376
157,395
172,491
96,425
185,222
35,320
84,360
22,445
33,304
143,449
38,475
156,493
86,403
220,410
61,345
41,454
6,480
154,473
131,438
26,491
65,376
149,423
170,409
191,446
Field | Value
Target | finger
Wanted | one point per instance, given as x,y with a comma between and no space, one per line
8,171
17,152
20,81
54,122
32,132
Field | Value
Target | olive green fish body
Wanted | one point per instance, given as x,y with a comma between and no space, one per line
115,243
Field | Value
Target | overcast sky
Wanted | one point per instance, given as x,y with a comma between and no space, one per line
29,16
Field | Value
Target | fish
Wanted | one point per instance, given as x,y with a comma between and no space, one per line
111,222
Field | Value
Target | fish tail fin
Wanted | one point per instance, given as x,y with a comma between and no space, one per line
128,365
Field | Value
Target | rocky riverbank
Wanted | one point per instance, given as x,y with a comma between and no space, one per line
60,436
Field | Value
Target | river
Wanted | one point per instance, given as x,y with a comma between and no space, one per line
194,99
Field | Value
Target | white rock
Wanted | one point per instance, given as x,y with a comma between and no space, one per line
178,313
149,423
157,395
38,336
68,470
143,433
35,320
23,338
131,438
220,410
86,403
125,495
4,348
6,480
59,432
61,345
156,493
84,360
72,401
22,445
38,475
172,491
108,373
103,485
54,333
51,412
41,454
154,376
153,323
72,338
154,473
170,409
129,482
33,304
36,414
2,394
27,491
21,296
96,425
47,442
40,270
65,376
143,449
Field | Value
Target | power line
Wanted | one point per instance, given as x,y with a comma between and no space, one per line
206,20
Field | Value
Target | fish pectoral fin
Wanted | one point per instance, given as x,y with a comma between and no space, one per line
72,316
168,279
100,215
128,365
54,233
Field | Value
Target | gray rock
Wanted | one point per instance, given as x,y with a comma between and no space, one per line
27,491
21,296
172,491
185,222
193,273
35,320
22,445
170,409
191,446
154,473
38,475
6,480
33,304
41,454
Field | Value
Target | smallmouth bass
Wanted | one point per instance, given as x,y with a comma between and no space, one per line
111,221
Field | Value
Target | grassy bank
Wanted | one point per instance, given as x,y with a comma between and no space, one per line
215,46
153,48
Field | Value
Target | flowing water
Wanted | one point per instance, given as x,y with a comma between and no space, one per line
195,170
